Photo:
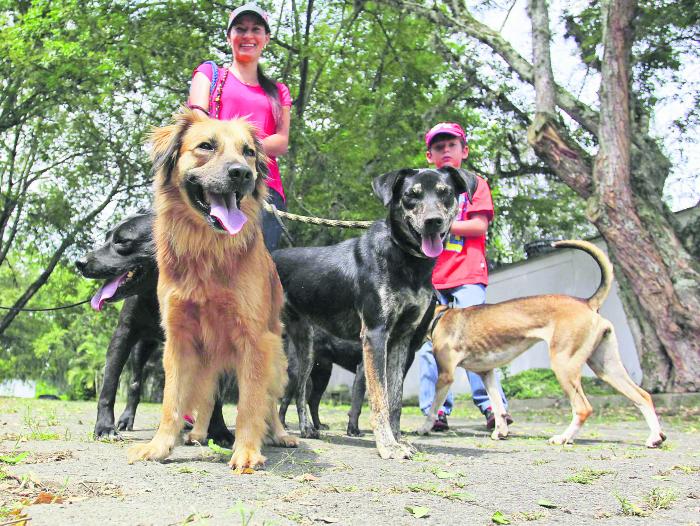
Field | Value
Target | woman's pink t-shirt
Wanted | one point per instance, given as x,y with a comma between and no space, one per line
241,100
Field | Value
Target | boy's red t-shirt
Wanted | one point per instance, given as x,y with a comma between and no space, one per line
463,262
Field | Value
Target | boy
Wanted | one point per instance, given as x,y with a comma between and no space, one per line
460,275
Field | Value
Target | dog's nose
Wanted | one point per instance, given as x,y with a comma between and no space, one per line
81,264
240,173
434,224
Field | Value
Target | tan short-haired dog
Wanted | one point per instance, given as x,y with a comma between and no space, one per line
485,337
219,292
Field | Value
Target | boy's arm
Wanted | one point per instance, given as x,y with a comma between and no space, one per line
475,226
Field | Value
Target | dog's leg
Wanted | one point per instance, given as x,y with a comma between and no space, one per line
396,361
302,335
217,430
567,369
606,363
256,372
291,387
499,410
277,434
124,338
202,404
140,355
442,389
320,376
358,396
374,354
182,371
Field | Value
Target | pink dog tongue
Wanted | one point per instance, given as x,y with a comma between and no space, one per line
232,219
106,292
432,246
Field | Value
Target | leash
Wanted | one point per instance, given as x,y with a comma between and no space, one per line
315,220
16,309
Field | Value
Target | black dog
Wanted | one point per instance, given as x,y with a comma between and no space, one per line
328,350
127,262
376,287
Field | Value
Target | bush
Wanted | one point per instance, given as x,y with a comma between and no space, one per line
541,383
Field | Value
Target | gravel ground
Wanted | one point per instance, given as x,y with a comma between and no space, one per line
458,477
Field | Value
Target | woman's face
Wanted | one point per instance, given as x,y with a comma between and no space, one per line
248,38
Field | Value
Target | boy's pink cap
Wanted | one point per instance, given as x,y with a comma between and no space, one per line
449,128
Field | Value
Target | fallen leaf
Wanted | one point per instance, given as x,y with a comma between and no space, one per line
445,474
306,477
218,449
418,512
243,471
9,459
45,497
546,503
499,518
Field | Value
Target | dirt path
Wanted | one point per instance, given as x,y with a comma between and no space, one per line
460,477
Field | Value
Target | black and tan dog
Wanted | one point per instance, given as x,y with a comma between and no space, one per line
219,293
486,337
377,288
126,261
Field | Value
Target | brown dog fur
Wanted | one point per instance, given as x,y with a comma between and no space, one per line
219,294
485,337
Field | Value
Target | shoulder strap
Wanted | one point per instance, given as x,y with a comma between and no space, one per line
214,76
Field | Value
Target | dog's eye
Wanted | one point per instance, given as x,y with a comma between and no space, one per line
248,151
414,193
205,146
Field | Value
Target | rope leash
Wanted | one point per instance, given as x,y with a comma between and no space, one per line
316,220
16,309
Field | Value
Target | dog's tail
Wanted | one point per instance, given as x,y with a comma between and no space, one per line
606,269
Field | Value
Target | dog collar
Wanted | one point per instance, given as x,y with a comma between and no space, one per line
435,321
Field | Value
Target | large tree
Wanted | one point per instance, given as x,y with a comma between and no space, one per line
608,157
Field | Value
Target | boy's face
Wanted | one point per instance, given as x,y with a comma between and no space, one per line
446,150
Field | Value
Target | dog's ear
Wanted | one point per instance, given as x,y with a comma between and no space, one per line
385,185
166,142
464,181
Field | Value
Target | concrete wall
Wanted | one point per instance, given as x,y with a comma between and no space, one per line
564,271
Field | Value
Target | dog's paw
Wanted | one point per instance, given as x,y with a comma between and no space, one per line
499,434
125,422
395,450
655,439
246,458
151,451
323,427
192,439
221,437
284,441
106,431
354,431
560,440
309,432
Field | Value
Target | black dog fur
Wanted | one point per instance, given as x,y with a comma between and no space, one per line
129,249
376,288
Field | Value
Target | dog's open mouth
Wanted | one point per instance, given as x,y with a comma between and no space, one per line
222,211
431,244
109,289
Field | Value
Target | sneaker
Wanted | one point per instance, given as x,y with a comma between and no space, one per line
491,419
441,423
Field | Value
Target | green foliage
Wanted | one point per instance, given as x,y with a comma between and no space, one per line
541,383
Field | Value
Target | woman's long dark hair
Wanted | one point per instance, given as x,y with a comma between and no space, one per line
269,86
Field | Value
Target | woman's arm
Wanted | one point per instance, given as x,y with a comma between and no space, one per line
199,91
277,143
475,226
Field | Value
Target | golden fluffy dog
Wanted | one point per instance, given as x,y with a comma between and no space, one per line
485,337
219,293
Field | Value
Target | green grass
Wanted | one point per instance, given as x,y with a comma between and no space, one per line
588,475
541,383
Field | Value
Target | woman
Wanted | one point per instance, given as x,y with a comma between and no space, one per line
243,90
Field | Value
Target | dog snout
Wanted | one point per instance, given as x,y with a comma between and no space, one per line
434,224
240,174
81,264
